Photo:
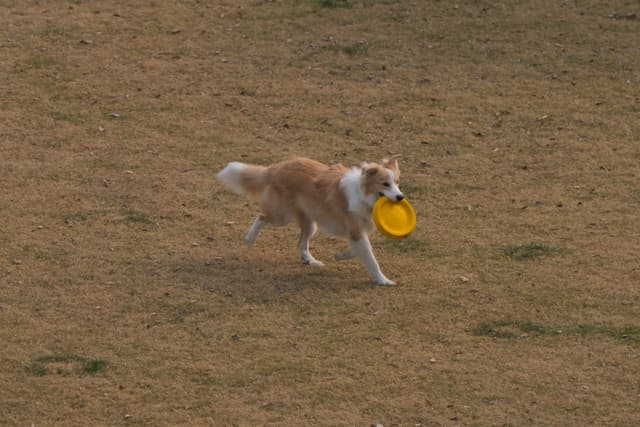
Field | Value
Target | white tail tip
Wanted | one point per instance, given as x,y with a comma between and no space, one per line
231,176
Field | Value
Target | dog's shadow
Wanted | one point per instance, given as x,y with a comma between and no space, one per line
250,276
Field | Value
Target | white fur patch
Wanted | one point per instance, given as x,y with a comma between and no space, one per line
230,176
351,185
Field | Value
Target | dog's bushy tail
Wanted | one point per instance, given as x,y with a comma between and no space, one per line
242,178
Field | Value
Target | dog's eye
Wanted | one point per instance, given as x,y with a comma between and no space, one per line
386,184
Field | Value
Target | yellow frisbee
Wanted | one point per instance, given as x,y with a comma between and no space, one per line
395,220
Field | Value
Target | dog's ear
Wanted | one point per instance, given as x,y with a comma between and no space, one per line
370,170
392,163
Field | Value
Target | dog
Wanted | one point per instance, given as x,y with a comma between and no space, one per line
336,199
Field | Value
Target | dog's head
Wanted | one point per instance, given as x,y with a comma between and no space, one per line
383,179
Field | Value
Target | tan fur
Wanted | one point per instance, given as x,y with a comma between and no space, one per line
253,179
304,185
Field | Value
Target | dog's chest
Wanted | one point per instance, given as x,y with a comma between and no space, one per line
335,225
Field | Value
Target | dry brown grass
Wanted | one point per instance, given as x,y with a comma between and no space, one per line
128,299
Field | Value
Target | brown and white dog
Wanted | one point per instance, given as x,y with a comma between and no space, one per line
337,199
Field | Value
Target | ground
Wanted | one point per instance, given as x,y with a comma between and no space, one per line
128,298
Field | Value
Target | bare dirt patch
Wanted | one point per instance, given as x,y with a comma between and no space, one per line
127,297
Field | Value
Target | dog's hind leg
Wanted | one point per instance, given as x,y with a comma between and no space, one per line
307,229
251,236
275,211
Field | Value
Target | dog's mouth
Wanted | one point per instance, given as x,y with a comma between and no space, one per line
397,198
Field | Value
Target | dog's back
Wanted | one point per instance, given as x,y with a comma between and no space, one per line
296,177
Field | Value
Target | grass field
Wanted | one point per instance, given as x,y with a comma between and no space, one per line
128,298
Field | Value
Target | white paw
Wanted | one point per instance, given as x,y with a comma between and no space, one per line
313,262
250,239
385,282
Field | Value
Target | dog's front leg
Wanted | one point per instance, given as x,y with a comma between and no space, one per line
362,249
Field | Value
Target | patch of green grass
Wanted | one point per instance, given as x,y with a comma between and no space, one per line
137,217
82,216
68,364
410,189
61,116
37,370
624,333
60,358
510,329
534,328
94,366
354,49
404,246
494,330
334,4
527,252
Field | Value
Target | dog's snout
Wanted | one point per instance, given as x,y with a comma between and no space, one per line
399,197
